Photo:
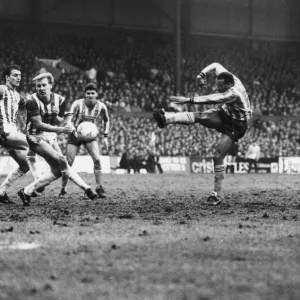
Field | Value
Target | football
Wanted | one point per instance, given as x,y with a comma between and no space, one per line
87,131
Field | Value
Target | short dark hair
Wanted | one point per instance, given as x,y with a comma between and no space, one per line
227,77
8,70
90,86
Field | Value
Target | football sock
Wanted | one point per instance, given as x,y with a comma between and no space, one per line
74,177
43,181
65,178
219,171
97,174
32,163
10,179
184,118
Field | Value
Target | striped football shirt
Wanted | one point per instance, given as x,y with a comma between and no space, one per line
80,112
235,101
238,105
9,105
39,107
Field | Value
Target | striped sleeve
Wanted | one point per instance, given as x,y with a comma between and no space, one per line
221,98
74,108
104,113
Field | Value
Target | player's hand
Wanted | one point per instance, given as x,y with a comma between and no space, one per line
55,110
201,80
105,141
179,99
3,138
69,128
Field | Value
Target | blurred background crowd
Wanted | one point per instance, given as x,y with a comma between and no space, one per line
135,71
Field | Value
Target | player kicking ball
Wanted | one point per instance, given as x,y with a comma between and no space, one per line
89,109
230,119
45,111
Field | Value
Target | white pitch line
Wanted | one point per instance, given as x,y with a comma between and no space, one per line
19,246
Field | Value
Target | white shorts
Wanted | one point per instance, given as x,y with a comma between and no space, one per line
49,137
8,128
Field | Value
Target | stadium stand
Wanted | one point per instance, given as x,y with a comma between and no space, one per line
135,73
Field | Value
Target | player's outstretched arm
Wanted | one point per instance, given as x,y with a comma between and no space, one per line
40,125
218,98
180,100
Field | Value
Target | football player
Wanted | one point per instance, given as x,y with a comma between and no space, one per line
87,109
10,138
230,119
45,111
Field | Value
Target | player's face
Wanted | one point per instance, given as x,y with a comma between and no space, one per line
14,78
91,97
222,87
43,87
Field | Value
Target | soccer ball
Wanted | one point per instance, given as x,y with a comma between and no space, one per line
87,131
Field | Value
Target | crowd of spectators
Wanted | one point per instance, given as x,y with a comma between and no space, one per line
135,72
141,136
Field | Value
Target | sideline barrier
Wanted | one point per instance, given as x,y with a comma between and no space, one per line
180,164
169,164
175,163
200,165
82,163
289,165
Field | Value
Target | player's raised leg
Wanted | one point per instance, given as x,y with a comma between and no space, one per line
209,118
58,164
93,149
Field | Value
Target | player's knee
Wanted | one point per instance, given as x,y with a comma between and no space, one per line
24,168
63,163
55,173
218,157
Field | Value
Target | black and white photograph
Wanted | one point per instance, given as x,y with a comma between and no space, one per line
149,149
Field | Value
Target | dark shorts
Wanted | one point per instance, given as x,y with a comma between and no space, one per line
72,140
235,129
